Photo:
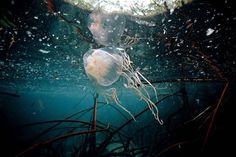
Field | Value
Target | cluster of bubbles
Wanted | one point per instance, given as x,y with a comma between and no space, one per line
105,66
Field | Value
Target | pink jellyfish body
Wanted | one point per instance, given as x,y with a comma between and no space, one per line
103,65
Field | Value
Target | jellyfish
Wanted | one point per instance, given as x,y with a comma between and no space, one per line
106,28
105,66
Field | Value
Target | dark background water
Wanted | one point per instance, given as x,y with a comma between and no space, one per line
42,79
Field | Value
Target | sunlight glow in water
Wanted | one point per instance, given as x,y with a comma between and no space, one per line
132,7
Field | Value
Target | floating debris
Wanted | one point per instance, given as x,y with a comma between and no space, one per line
209,31
44,51
29,33
143,22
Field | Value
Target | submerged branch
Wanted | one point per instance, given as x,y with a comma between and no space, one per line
58,121
214,114
59,138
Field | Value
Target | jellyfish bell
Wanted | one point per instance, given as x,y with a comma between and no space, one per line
106,28
103,65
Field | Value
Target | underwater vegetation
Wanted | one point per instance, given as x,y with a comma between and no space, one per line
79,82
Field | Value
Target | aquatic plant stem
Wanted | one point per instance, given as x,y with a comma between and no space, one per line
94,121
170,147
59,138
213,115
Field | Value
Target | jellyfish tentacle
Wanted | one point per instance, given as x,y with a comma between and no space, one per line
126,62
127,67
154,110
139,82
129,80
132,84
154,89
151,105
117,101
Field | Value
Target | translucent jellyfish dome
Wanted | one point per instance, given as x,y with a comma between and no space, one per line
106,28
103,65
